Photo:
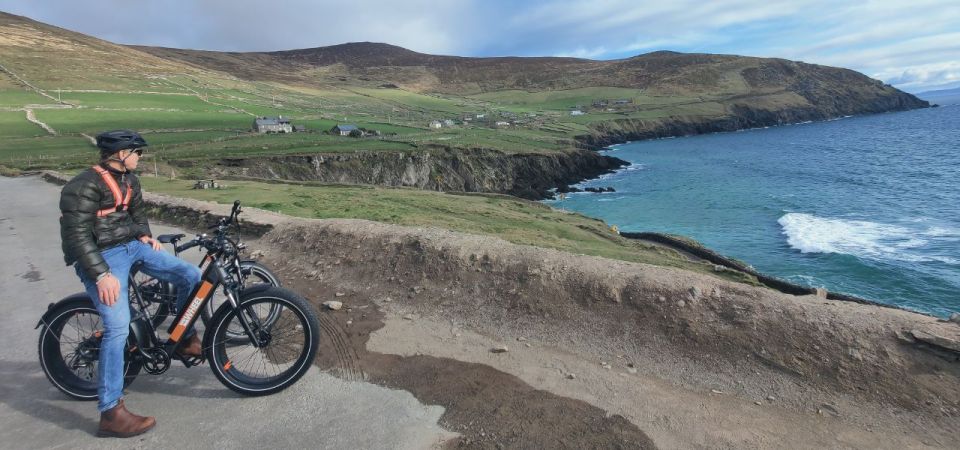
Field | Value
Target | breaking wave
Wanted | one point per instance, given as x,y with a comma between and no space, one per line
811,234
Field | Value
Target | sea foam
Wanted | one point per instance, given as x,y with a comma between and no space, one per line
811,234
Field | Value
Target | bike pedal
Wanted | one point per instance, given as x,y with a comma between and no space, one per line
190,361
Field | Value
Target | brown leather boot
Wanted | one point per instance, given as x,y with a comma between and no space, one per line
191,348
118,422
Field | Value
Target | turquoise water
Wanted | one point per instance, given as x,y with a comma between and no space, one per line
868,205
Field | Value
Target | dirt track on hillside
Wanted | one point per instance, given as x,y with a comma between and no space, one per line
488,407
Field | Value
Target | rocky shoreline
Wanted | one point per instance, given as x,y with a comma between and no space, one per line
532,176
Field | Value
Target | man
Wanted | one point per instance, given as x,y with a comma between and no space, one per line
104,230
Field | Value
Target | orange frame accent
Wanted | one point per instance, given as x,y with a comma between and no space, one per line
205,288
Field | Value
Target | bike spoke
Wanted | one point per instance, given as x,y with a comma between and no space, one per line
286,342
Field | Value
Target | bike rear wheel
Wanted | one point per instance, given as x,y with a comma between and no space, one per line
289,342
159,297
69,349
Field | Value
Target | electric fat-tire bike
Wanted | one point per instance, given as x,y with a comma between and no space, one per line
280,331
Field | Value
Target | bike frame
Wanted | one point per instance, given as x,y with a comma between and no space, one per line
214,277
202,293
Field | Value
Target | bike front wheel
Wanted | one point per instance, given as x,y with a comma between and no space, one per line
287,336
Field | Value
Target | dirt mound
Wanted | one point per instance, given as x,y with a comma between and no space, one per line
695,330
487,407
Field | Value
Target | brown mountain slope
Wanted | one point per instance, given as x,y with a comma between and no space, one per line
56,58
660,72
52,57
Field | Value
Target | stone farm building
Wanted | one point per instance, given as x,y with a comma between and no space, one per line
272,125
344,130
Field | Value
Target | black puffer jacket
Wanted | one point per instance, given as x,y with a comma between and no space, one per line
83,233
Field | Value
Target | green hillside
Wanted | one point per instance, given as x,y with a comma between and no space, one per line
202,104
515,220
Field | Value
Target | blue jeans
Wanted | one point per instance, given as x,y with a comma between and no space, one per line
116,319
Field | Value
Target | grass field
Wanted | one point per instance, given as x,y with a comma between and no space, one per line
277,144
160,140
514,220
120,100
92,121
18,98
414,100
211,118
186,126
212,115
14,124
46,152
556,99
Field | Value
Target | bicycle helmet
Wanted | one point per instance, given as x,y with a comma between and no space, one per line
110,142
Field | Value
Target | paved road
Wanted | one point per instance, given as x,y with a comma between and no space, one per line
193,409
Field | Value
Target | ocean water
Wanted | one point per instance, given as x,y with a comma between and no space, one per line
865,205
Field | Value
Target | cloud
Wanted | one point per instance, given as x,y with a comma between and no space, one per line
910,44
244,25
923,77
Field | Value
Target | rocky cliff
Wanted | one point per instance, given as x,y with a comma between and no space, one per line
526,175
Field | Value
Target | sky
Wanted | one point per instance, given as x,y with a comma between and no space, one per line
913,45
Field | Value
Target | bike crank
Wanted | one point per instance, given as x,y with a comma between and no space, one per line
157,361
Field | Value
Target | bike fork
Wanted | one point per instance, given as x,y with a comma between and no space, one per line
245,321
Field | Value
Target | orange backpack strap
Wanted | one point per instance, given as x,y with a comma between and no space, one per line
120,202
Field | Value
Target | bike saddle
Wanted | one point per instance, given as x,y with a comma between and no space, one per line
168,238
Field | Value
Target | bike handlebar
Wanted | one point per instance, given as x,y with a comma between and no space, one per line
186,246
221,226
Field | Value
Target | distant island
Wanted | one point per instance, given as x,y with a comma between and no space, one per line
942,96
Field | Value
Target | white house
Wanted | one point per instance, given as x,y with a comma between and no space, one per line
272,125
436,124
344,130
576,112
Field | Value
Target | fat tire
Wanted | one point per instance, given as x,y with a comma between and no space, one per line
51,361
304,361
